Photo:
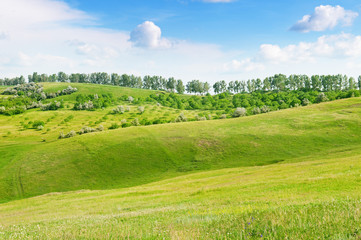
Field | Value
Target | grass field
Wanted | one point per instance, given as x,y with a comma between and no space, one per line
316,199
290,174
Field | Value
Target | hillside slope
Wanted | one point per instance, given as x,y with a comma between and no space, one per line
317,199
138,155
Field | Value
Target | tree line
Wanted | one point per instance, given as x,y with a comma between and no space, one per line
278,82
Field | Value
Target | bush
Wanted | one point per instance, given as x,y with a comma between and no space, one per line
198,118
265,109
256,110
38,123
181,118
321,98
223,116
86,129
70,134
114,126
125,125
118,109
141,109
61,135
305,102
240,112
51,106
135,122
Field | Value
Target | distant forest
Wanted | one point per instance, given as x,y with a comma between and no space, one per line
278,82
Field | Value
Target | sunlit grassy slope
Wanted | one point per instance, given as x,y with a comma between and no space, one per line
139,155
291,174
314,199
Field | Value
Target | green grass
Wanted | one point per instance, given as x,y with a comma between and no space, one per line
290,174
306,200
139,155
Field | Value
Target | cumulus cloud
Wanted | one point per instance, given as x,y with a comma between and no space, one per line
149,35
325,17
331,46
49,36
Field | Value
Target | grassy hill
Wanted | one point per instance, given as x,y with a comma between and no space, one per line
286,174
314,199
127,157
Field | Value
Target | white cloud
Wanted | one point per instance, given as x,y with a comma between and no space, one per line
329,54
65,39
24,13
325,17
149,35
330,46
245,65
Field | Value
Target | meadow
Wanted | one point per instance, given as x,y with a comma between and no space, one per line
288,174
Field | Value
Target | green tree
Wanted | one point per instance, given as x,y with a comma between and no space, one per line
180,87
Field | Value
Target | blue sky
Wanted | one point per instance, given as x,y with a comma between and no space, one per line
208,40
232,24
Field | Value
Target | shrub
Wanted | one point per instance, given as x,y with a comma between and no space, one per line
135,122
181,118
305,102
321,98
256,110
125,125
38,123
141,109
86,129
51,106
265,109
198,118
114,126
100,128
61,135
70,134
240,112
118,109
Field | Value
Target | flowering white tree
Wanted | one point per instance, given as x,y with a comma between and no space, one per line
240,112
